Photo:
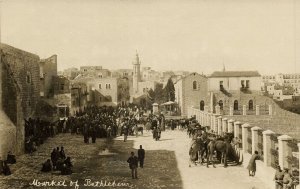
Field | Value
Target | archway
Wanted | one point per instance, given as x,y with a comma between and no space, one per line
221,104
202,105
236,105
250,104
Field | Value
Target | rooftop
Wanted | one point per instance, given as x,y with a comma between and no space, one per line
235,74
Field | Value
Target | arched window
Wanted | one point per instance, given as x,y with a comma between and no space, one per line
202,105
250,104
28,77
236,105
194,85
221,104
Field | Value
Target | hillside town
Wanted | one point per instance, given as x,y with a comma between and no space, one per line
145,95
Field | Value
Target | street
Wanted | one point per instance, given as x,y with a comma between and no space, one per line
166,166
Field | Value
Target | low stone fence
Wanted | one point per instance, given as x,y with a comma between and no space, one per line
274,149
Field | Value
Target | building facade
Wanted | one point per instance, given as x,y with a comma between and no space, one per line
235,88
48,71
191,91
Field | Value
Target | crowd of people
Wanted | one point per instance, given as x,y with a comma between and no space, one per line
106,122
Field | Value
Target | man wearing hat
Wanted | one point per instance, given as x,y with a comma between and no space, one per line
278,178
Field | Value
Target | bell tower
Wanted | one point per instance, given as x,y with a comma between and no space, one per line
136,73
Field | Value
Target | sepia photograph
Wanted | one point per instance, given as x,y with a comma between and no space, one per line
149,94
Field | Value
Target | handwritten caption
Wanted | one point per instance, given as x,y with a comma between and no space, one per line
76,184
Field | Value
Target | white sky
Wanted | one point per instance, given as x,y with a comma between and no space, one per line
194,35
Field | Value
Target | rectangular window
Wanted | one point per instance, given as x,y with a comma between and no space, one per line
62,86
221,85
100,86
100,99
247,83
243,83
107,86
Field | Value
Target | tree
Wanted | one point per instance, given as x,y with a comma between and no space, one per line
159,93
169,91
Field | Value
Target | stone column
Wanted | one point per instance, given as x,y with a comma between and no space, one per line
299,158
267,145
206,108
203,120
230,126
211,121
218,110
244,110
200,117
208,119
215,127
237,126
244,136
284,150
224,125
270,109
254,131
231,110
257,109
219,125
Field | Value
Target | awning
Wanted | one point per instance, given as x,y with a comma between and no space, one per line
168,103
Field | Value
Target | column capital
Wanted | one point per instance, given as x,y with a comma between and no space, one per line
246,125
225,119
237,123
220,117
284,138
268,132
256,128
231,120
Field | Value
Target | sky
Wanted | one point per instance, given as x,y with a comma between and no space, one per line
194,35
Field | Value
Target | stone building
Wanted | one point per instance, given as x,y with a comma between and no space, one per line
292,80
191,91
79,97
95,71
104,91
62,85
70,73
20,92
48,72
140,87
235,88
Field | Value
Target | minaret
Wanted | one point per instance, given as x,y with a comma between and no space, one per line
136,74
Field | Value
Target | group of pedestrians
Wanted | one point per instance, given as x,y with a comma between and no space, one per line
58,162
133,161
284,179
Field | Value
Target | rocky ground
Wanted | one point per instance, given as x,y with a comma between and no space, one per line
166,166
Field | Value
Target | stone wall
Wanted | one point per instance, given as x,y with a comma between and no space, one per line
25,70
48,70
20,87
273,148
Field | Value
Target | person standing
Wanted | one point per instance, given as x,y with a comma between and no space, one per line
252,165
125,133
141,156
287,179
278,178
133,164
